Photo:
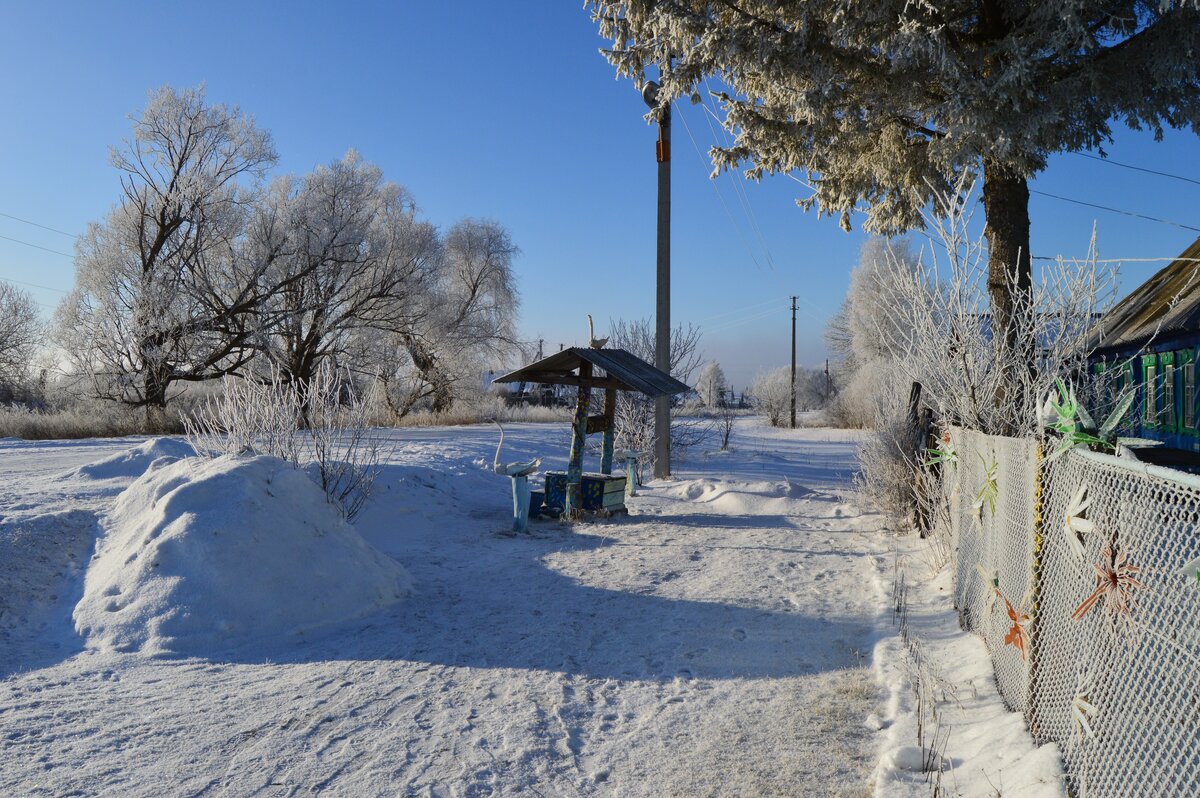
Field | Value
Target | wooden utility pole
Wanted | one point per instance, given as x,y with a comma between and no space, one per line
662,307
793,362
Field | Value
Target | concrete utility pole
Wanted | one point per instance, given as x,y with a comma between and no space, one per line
662,310
793,362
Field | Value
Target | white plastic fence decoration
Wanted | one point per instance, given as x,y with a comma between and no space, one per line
1108,551
994,557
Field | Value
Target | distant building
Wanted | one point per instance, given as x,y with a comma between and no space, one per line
1148,343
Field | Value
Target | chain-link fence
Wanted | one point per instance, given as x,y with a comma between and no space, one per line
993,516
1083,582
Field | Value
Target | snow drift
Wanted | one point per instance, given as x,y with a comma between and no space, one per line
132,463
205,554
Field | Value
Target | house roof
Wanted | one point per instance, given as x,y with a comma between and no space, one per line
1165,306
622,370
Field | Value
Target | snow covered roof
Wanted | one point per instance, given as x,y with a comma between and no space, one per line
623,370
1164,307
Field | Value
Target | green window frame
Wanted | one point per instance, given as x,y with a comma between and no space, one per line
1150,392
1123,381
1187,360
1169,417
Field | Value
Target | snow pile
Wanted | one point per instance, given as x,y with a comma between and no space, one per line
204,554
754,497
133,463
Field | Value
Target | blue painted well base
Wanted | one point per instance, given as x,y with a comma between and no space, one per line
520,486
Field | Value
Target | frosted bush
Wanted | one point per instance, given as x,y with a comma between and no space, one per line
772,394
322,425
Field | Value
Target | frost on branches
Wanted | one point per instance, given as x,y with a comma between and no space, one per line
203,270
161,286
635,413
711,385
881,105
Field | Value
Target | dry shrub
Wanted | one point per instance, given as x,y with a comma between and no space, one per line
321,425
106,420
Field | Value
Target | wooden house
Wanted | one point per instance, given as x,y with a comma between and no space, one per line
1149,343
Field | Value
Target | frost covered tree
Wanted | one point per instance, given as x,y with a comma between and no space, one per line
635,413
161,291
880,104
20,334
475,307
867,332
200,272
863,330
772,393
710,385
350,256
814,389
469,307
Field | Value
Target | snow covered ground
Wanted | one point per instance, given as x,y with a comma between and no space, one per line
983,749
717,642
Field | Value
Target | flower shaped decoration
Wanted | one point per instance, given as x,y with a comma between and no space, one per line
990,490
1071,420
945,453
1075,526
1192,570
1018,634
1068,414
993,583
1115,583
1082,708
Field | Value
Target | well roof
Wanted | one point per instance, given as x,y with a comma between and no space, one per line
623,370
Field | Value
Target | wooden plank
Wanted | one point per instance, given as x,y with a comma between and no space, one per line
558,378
598,424
614,501
610,431
578,438
609,483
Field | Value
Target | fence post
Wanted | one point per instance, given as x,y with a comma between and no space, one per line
1035,595
916,452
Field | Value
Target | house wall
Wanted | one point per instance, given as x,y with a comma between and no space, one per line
1166,375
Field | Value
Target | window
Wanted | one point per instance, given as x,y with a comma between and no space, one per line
1150,395
1189,395
1169,395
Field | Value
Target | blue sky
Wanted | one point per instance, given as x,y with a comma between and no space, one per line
501,110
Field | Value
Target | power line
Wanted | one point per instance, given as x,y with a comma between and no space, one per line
730,325
35,224
739,188
1137,168
720,134
1115,210
737,227
36,246
39,304
758,316
737,311
34,285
